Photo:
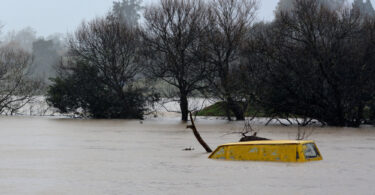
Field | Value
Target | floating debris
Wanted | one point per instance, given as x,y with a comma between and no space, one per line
189,149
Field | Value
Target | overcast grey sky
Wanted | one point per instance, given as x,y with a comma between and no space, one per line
61,16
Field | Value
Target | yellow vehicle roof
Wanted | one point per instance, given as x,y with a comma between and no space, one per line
273,142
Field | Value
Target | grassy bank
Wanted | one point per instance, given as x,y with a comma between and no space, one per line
218,109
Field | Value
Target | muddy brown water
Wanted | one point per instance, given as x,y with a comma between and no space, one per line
65,156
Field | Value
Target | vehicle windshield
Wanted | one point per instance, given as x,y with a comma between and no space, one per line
310,151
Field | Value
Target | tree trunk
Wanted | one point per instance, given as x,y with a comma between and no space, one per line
197,135
184,106
236,109
357,120
227,112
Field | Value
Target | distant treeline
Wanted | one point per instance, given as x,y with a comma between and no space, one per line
46,52
26,63
314,60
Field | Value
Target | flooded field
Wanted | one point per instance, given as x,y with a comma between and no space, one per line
65,156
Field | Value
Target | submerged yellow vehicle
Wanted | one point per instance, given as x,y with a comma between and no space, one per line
269,150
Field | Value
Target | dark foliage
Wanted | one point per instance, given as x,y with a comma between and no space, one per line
84,89
100,75
315,62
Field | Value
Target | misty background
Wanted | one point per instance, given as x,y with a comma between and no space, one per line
40,26
52,16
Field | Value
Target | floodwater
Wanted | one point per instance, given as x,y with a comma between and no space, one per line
66,156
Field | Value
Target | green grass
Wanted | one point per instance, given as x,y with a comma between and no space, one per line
218,109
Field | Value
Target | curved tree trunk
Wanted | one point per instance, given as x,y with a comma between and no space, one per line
197,135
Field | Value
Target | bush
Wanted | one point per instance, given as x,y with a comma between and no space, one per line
83,89
100,70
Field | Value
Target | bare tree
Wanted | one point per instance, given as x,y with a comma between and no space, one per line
102,72
16,87
23,39
172,38
229,24
111,47
316,63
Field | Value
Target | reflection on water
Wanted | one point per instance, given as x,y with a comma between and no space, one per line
64,156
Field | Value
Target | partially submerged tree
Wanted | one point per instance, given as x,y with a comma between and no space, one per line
317,63
16,87
229,24
100,72
197,134
172,40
